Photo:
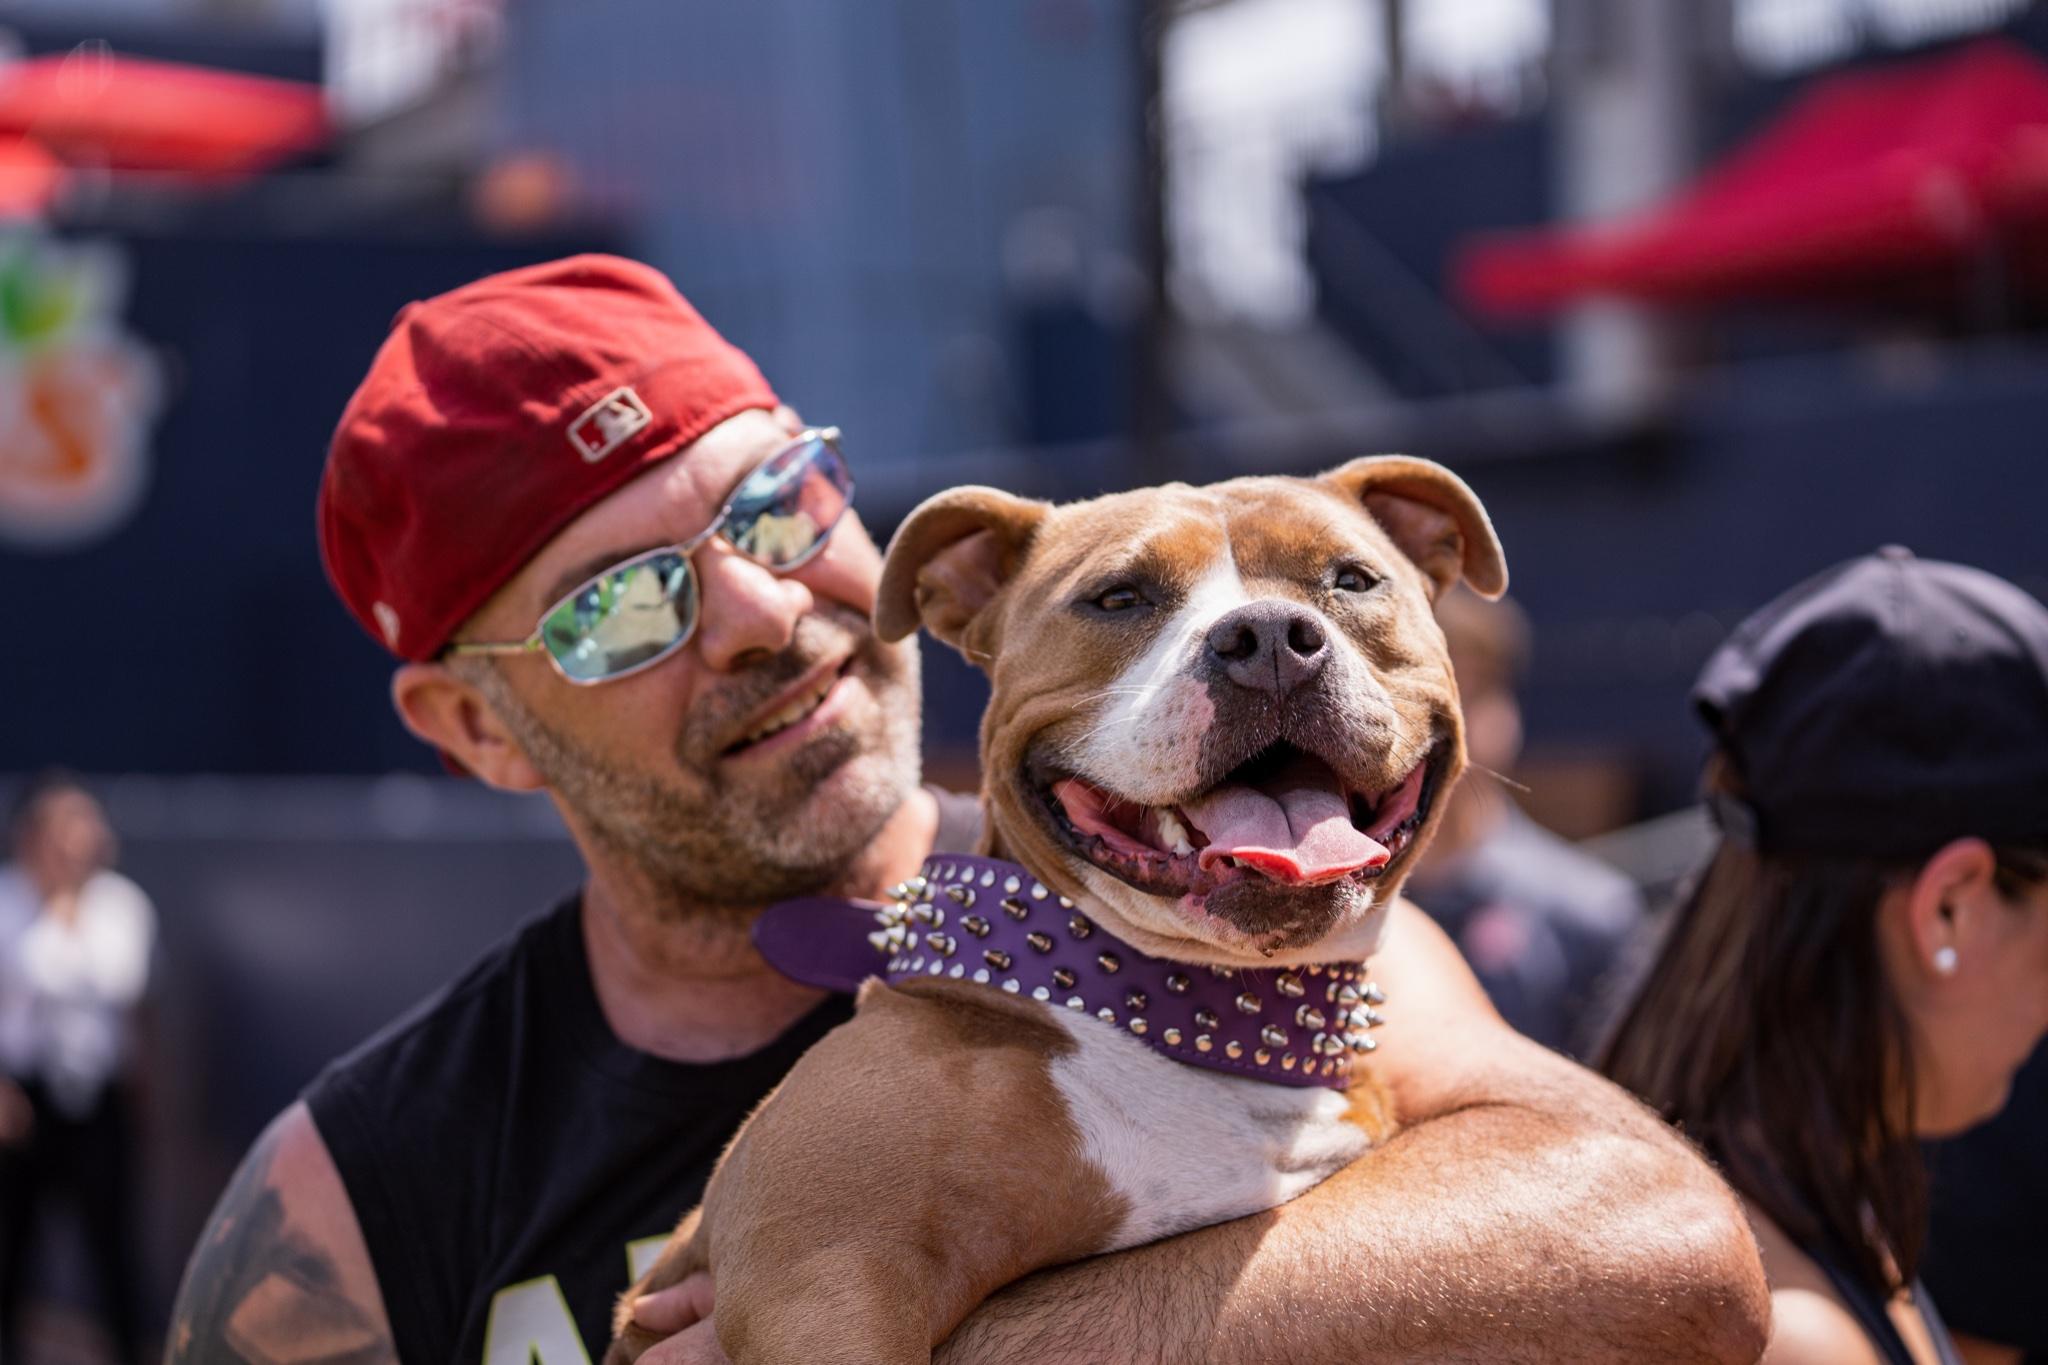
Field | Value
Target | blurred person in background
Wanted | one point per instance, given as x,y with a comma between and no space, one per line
1540,922
616,571
75,943
1864,960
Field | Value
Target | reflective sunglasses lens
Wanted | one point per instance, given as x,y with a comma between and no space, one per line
784,510
626,618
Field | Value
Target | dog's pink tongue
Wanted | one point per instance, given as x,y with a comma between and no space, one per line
1296,828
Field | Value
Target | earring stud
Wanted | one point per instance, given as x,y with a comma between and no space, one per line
1945,960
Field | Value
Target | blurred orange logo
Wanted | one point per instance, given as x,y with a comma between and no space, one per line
77,394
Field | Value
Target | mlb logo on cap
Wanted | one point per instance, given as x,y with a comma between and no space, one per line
610,421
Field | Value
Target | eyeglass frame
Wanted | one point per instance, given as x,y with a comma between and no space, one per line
536,643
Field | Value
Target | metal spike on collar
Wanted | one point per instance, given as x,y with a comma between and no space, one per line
1345,995
996,958
1079,927
1309,1017
1373,995
1064,978
975,925
1289,985
1109,962
960,895
1136,1000
1015,908
1206,1019
1272,1035
1176,984
942,944
1247,1003
1042,942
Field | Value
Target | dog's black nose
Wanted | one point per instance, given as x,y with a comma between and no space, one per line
1268,646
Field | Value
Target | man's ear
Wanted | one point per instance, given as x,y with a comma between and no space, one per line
950,559
1431,516
444,710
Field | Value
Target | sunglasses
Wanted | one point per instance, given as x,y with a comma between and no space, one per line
637,613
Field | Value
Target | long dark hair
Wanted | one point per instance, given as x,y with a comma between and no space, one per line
1768,1031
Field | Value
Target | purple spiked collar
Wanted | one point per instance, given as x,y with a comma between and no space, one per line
993,923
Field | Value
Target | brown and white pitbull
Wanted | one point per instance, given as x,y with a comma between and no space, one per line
1220,721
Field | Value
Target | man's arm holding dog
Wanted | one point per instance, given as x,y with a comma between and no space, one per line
281,1272
1537,1214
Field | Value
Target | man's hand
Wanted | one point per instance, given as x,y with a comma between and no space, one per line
1529,1212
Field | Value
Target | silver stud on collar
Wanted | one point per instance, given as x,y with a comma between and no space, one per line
1177,984
1248,1003
1262,1057
1079,927
1106,1015
1172,1037
981,976
1012,885
1138,1026
1075,1002
1206,1019
1040,993
1203,1042
1011,985
1287,1061
988,878
956,971
1233,1049
1136,1000
1038,892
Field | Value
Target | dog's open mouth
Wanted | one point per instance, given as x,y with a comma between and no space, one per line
1285,816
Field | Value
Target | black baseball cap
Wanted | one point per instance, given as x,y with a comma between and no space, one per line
1884,708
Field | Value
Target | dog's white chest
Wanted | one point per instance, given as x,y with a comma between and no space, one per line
1187,1146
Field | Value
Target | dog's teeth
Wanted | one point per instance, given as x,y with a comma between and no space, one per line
1174,833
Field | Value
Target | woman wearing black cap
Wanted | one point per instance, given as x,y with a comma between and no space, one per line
1864,961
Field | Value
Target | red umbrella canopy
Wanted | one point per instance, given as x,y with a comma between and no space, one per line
134,115
1871,177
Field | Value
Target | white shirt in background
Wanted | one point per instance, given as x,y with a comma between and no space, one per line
66,989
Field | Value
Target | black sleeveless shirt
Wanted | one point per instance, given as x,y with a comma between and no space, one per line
514,1166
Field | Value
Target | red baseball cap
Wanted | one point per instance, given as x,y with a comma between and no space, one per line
497,412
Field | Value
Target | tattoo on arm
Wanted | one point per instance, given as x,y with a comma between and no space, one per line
260,1293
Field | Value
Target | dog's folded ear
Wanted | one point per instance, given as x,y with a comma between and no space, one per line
1431,516
951,557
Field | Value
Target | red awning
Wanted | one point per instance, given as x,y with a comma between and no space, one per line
1871,179
133,115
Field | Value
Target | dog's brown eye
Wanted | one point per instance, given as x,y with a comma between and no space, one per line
1120,599
1351,578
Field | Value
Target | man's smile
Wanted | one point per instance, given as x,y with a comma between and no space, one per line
815,702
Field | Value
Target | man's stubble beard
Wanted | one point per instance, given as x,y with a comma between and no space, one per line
706,845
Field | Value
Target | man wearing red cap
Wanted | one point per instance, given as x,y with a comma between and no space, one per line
618,572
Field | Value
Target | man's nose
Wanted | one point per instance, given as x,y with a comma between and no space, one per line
746,609
1268,647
